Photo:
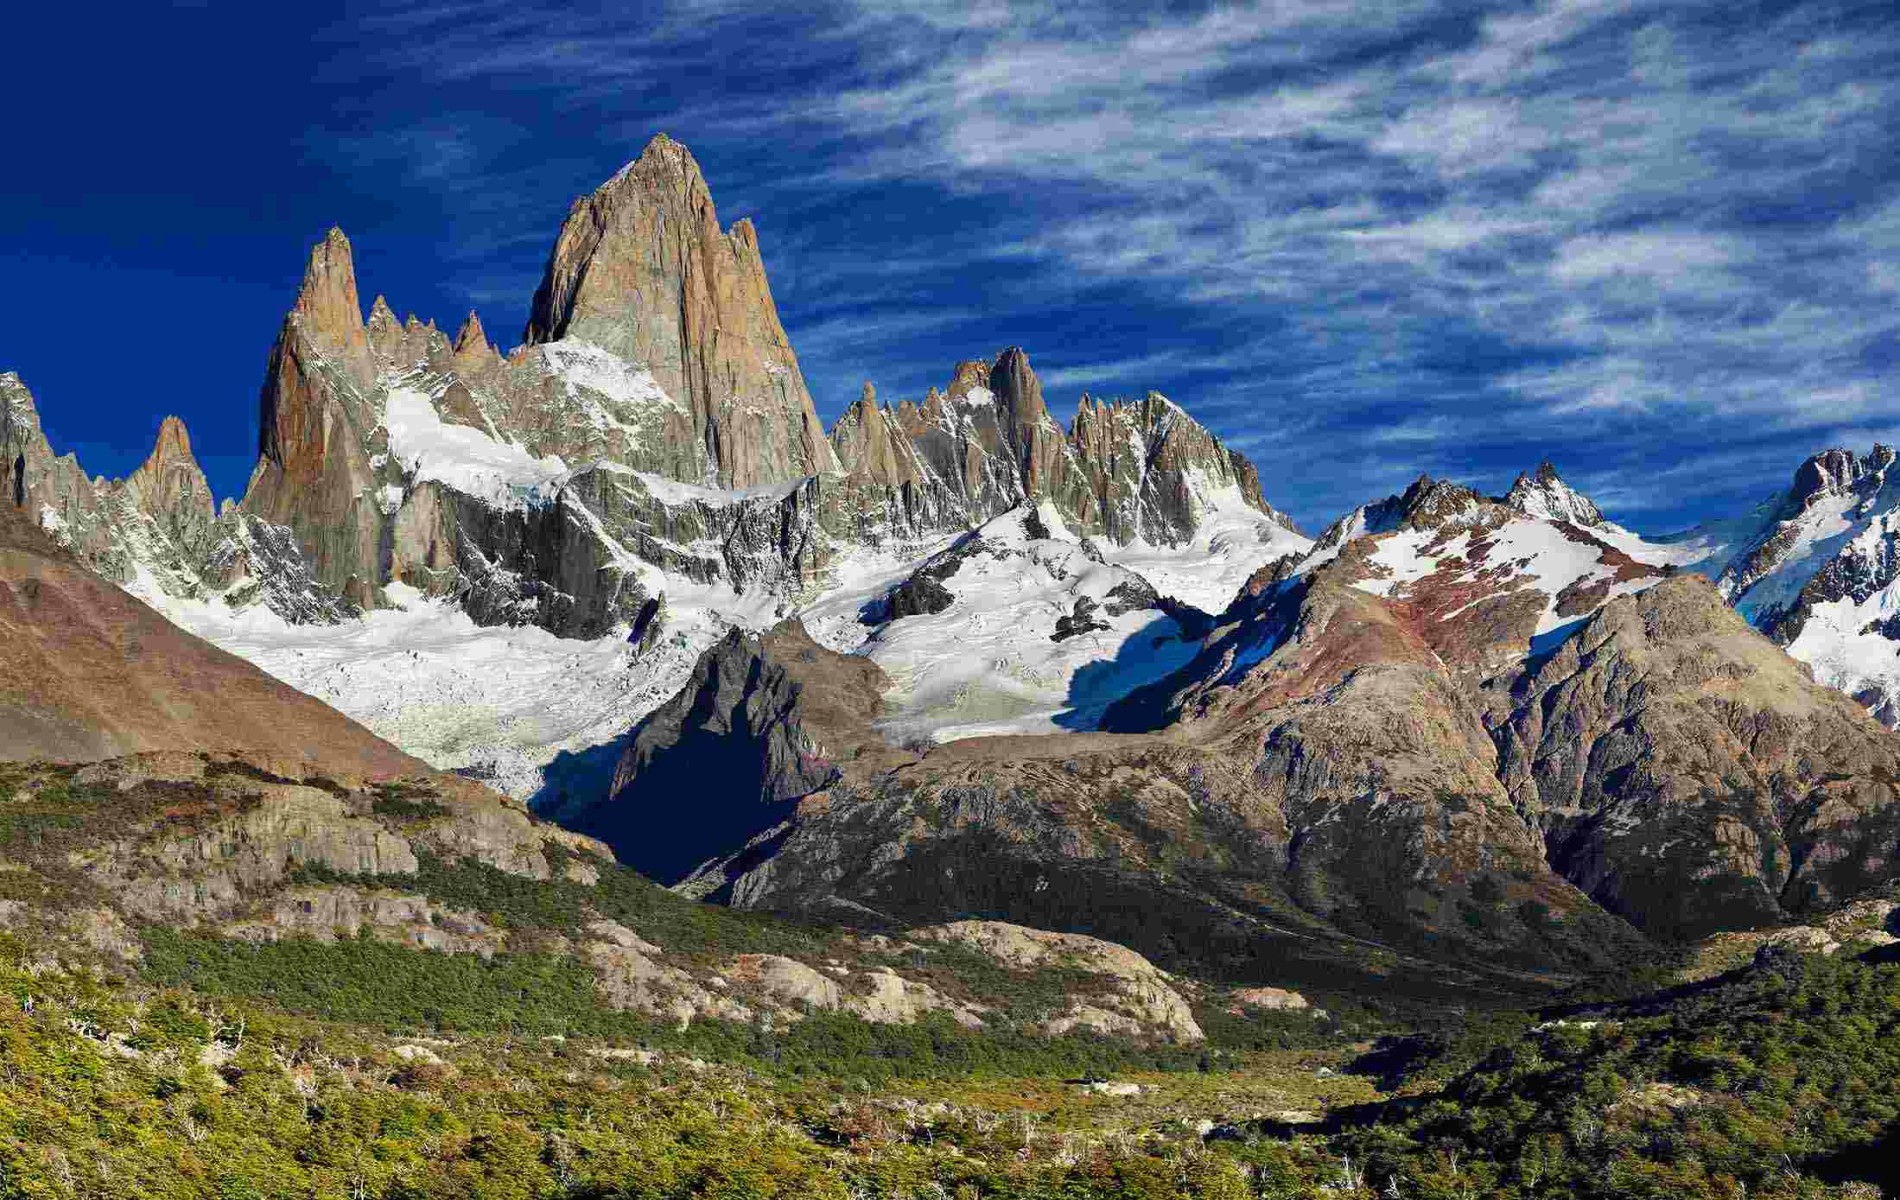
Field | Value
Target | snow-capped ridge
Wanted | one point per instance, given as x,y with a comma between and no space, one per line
1544,494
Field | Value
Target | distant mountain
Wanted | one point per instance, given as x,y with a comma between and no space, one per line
1815,568
445,489
1458,728
955,656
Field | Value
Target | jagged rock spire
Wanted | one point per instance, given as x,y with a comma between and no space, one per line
872,448
20,440
1038,440
641,268
471,336
473,352
316,413
170,485
327,301
965,378
1835,472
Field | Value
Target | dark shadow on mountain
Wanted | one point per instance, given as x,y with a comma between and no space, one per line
1153,654
1876,1161
699,801
1545,644
576,777
1195,923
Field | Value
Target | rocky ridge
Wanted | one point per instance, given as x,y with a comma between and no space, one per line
653,425
565,486
1692,777
1406,699
1817,569
763,720
155,532
1456,728
642,270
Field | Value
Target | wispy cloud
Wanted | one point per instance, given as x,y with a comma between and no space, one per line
1418,231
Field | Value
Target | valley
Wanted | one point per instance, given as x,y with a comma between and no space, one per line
572,770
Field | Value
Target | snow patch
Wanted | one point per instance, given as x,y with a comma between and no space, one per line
584,365
674,493
988,664
502,473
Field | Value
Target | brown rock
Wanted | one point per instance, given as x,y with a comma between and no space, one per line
642,269
170,488
329,307
473,354
1140,1002
1691,776
319,417
92,673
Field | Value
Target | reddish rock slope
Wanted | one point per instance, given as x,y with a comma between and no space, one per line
92,673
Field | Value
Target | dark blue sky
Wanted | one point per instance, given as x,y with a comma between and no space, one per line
1657,242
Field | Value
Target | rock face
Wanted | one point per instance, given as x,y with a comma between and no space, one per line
172,490
642,270
1817,569
318,421
655,425
1544,494
1126,471
1692,777
1141,997
1444,732
155,531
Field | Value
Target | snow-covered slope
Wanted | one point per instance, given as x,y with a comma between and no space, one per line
534,712
497,702
1231,541
480,463
521,707
1018,627
1488,580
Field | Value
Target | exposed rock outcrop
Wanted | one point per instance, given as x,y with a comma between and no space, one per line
1692,777
319,425
1545,494
1817,569
155,528
1140,997
1125,471
172,490
211,842
642,269
655,424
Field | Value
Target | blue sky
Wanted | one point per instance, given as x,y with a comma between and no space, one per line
1658,243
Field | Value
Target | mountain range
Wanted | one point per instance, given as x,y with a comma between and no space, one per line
956,658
